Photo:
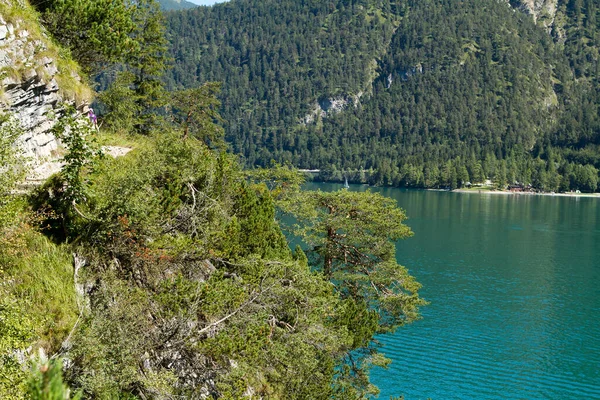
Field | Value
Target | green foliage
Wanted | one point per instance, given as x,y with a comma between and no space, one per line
78,136
351,240
16,329
584,178
16,334
96,32
276,354
122,104
196,112
160,186
115,338
253,230
129,34
175,238
281,180
353,235
40,274
36,291
273,75
135,96
46,382
148,62
37,301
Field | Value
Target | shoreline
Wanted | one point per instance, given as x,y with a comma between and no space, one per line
508,192
476,191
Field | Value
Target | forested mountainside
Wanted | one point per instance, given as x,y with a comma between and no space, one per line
277,59
414,93
170,5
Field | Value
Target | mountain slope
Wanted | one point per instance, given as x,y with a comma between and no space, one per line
458,82
171,5
425,92
277,59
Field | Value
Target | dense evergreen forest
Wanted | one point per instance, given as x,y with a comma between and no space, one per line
406,93
170,5
165,273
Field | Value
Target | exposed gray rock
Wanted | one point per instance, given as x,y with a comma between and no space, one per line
30,91
542,11
115,151
323,108
44,169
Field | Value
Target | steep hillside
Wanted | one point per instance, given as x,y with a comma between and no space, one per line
280,62
171,5
164,273
461,83
427,93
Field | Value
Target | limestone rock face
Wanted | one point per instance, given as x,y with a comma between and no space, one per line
29,88
543,11
325,107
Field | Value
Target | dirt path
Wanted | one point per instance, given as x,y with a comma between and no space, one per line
41,172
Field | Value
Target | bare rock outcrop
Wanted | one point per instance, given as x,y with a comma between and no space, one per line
543,13
29,88
31,78
325,107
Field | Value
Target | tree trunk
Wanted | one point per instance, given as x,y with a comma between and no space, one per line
328,265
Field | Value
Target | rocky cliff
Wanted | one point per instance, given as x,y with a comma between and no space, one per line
544,13
541,10
35,81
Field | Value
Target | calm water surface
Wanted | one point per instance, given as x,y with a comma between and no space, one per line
514,286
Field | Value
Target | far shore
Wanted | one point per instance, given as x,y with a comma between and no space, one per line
508,192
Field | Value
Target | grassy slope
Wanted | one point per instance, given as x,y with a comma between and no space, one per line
38,305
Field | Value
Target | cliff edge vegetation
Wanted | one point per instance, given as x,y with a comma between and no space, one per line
165,273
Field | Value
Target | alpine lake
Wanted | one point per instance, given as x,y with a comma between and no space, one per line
513,283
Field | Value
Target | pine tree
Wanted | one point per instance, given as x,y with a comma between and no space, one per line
351,238
148,63
96,32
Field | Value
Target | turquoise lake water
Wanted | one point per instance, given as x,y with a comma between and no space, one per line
514,287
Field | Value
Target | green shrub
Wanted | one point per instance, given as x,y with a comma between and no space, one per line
46,382
16,334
